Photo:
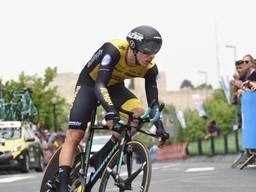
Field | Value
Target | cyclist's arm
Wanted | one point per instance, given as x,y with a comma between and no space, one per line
152,93
109,59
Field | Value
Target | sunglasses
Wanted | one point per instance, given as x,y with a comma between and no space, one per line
246,61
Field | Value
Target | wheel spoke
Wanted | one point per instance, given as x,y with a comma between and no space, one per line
135,174
125,180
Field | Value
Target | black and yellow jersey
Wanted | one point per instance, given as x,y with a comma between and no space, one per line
112,56
108,67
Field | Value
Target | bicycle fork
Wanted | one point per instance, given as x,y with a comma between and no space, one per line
125,184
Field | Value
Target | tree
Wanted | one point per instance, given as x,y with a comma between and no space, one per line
221,111
218,110
42,94
186,84
203,86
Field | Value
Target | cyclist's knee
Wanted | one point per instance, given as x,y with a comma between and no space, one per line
74,136
138,111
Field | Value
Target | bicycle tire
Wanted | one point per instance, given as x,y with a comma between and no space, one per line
51,170
140,152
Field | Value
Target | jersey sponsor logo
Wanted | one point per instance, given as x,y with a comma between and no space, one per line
106,96
74,123
106,60
157,37
95,57
135,35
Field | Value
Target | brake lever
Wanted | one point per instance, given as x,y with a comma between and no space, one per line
158,113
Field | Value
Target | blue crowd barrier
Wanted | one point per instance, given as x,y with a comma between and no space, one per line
248,109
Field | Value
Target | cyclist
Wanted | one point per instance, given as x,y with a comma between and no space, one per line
102,80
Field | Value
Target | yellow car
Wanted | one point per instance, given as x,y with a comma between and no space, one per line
19,147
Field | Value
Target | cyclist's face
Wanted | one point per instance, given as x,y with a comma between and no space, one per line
145,59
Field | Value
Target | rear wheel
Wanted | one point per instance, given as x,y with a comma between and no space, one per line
51,180
137,161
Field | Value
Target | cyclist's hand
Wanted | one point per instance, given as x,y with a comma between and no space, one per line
163,135
112,118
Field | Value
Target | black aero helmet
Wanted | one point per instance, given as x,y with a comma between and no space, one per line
145,39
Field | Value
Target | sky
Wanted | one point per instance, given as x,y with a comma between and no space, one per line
37,34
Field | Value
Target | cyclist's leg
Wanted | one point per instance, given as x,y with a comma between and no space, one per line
83,105
135,106
121,97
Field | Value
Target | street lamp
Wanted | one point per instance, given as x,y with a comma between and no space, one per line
234,48
54,101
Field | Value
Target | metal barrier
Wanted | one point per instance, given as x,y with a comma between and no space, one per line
248,109
219,145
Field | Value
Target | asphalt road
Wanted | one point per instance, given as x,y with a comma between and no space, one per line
193,175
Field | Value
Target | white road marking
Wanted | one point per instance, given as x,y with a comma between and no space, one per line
166,166
15,178
200,169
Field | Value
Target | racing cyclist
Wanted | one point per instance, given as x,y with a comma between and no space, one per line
102,80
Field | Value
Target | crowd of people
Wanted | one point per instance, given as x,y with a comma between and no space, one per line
50,141
244,78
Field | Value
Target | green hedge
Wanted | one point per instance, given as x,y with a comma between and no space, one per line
219,148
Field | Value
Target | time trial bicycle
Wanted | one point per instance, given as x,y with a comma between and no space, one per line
126,167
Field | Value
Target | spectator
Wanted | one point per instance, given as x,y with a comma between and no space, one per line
40,129
51,136
59,139
43,136
245,72
213,130
249,58
236,82
253,85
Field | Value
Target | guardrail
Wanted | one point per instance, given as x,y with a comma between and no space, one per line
219,145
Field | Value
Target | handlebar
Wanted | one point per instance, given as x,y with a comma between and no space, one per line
142,119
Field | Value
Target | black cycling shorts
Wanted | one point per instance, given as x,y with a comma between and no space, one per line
85,102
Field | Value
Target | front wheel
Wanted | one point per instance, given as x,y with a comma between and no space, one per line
135,172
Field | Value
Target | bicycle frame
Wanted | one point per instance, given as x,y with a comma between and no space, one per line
87,185
126,137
